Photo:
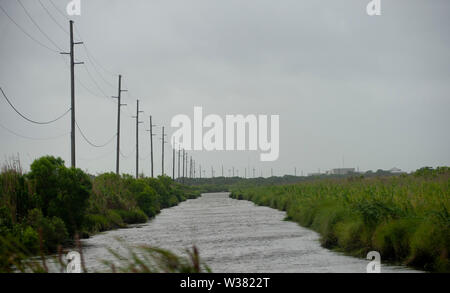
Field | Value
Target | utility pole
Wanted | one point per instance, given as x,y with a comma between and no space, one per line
151,145
173,159
271,172
222,170
184,155
233,171
186,165
295,171
179,154
119,104
200,171
190,167
163,139
137,136
72,93
212,172
254,172
245,173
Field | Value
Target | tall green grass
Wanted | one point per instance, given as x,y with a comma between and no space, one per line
406,218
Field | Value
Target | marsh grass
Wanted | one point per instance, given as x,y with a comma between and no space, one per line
406,218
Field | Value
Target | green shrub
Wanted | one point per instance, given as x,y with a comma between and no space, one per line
30,240
62,192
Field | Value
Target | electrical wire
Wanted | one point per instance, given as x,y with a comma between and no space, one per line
26,33
38,27
32,138
28,119
92,144
53,18
127,156
94,60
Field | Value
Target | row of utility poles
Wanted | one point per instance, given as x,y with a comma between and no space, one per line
119,106
188,164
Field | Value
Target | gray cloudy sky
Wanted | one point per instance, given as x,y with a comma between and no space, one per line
371,90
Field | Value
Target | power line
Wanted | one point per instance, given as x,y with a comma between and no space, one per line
38,27
129,155
92,144
91,58
28,119
95,82
26,33
53,18
94,60
32,138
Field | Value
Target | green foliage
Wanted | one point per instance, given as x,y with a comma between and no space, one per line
63,192
47,207
53,230
404,217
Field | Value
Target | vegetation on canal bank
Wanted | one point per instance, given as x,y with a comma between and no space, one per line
406,218
47,207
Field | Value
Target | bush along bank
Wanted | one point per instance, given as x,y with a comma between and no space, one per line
405,218
47,207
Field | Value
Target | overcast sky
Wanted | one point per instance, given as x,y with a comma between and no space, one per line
353,90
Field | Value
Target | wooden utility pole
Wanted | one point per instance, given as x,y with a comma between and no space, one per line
119,104
184,155
200,171
190,167
163,141
186,165
173,159
179,154
151,146
137,136
72,93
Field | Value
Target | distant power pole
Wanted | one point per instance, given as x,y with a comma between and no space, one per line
72,93
193,168
173,159
212,172
254,172
200,171
233,171
222,170
179,154
190,167
271,172
137,136
184,155
119,104
245,173
151,145
186,165
163,141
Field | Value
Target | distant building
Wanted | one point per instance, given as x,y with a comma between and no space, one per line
396,171
342,171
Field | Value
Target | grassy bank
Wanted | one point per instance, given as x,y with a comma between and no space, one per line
405,218
51,205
